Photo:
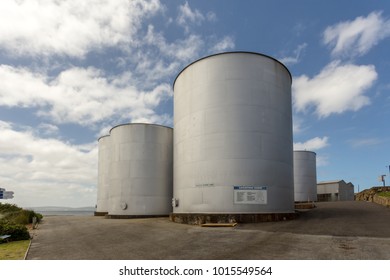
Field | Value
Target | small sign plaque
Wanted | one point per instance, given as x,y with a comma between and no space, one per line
250,194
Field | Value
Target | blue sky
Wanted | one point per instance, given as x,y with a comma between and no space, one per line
70,70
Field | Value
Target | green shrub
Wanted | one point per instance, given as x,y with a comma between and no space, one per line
17,215
23,217
17,232
7,208
13,221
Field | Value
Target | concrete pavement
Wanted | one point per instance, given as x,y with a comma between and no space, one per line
333,230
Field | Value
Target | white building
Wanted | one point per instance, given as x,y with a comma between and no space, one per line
337,190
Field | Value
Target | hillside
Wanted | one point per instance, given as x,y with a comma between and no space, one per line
373,195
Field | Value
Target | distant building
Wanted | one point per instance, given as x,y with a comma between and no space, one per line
335,191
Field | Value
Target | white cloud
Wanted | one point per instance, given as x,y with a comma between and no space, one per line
313,144
357,37
87,95
157,58
46,171
291,60
298,124
338,88
188,17
48,129
224,44
36,163
82,96
182,50
322,160
364,142
71,28
211,16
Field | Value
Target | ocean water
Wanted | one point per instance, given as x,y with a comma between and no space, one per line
66,213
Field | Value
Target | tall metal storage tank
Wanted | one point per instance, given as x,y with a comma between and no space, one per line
233,148
141,166
305,176
103,175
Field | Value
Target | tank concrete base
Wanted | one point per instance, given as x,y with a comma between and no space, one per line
202,218
304,205
100,213
110,216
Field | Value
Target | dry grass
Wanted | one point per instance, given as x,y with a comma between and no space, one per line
14,250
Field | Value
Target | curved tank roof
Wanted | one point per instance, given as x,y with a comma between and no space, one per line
108,135
232,52
151,124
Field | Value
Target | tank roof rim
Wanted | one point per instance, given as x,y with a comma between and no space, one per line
232,52
305,151
148,124
107,135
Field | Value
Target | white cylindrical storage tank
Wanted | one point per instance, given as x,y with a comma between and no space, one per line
233,148
305,176
103,175
141,166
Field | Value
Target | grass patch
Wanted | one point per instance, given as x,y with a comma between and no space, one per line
14,250
385,194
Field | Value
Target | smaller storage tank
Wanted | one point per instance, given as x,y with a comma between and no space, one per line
305,176
103,175
141,171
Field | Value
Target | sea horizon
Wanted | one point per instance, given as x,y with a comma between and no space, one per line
64,210
67,213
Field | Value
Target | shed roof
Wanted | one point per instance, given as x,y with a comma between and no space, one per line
330,182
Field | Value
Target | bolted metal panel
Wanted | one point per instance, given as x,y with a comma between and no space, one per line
141,165
103,174
233,149
305,176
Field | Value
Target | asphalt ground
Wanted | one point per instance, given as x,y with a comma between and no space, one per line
353,230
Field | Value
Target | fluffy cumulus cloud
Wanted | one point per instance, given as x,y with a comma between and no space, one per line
79,95
46,170
313,144
336,89
144,67
358,36
92,64
71,28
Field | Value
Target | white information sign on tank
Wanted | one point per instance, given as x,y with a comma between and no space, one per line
250,195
